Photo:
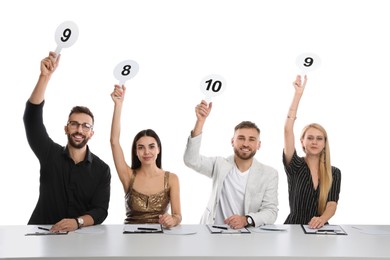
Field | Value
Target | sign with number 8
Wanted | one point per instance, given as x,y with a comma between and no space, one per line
125,70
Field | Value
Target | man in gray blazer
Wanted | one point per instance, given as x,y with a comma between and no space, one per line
244,191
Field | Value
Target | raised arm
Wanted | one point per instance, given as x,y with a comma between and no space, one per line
289,144
192,157
202,111
121,166
48,66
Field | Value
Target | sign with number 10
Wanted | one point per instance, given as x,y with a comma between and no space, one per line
212,86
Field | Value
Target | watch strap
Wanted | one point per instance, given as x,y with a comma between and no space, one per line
78,224
252,221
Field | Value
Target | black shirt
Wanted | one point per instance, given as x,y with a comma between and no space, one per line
67,190
303,198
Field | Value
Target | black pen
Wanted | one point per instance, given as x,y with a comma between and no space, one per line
327,231
225,228
42,228
145,228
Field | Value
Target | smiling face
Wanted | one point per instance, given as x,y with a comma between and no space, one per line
246,142
147,150
78,131
313,141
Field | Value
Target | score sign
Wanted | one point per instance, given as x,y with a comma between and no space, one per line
308,62
66,35
212,86
125,70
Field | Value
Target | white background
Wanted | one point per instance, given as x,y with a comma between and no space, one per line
252,44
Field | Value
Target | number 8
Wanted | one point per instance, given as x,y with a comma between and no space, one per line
126,70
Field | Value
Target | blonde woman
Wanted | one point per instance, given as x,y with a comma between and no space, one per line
313,184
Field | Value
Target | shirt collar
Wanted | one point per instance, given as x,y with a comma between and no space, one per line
87,158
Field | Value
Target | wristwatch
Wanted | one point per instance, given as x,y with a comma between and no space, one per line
80,222
250,221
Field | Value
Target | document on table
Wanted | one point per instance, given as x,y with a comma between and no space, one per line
325,230
142,228
274,227
181,230
225,229
371,230
96,229
43,230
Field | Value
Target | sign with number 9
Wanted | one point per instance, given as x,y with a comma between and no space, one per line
125,70
66,35
308,62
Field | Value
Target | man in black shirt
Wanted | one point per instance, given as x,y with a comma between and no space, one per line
74,183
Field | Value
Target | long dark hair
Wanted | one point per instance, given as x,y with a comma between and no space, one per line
135,162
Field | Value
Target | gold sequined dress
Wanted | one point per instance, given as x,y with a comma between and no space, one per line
141,208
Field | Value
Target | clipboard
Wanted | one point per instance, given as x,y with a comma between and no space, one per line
44,231
225,229
325,230
142,229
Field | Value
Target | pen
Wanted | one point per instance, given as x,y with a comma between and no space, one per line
42,228
225,228
145,228
326,232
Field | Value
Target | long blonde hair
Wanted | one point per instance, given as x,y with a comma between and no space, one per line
325,168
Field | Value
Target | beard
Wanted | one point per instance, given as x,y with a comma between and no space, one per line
72,143
244,156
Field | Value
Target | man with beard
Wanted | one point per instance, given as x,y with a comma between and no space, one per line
74,187
245,191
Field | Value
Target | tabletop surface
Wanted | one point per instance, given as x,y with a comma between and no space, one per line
196,241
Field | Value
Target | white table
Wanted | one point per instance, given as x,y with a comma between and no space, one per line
110,243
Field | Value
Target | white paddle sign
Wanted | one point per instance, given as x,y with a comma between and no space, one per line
308,62
125,70
66,35
212,85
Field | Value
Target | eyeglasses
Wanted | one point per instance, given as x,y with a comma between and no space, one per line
75,125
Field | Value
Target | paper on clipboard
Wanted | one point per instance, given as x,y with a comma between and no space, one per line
325,230
43,231
142,228
225,229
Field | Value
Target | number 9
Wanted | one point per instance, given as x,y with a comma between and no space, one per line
308,62
66,35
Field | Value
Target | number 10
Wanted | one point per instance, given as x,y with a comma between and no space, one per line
215,87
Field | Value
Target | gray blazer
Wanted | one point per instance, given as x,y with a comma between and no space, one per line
261,195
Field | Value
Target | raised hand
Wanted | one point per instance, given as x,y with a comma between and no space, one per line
118,95
202,110
298,85
50,64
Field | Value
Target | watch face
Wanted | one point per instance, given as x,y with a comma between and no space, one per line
249,220
81,221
